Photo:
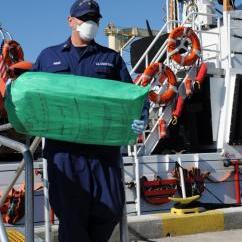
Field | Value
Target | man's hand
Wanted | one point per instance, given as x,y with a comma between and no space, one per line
138,126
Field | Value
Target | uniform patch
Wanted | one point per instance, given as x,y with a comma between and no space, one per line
56,63
104,64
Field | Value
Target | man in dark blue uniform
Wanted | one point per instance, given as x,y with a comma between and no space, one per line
85,185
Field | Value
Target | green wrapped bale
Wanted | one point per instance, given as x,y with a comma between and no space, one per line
74,108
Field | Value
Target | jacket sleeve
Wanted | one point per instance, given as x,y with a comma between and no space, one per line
37,65
122,70
125,76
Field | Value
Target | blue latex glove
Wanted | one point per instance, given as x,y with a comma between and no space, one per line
138,126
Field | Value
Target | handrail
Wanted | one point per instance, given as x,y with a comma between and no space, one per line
150,46
18,172
4,33
126,44
3,233
29,203
163,46
160,53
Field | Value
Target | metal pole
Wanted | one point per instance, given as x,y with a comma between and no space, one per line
29,203
46,202
19,170
137,181
4,33
229,39
123,226
146,60
126,44
3,234
219,42
182,179
29,200
168,15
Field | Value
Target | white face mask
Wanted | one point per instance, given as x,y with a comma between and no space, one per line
87,30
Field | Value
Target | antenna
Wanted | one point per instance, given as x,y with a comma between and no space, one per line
149,28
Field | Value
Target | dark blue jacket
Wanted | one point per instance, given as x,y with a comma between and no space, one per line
93,60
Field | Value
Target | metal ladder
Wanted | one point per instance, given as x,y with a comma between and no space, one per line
153,137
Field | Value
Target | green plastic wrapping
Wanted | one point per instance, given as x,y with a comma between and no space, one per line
74,108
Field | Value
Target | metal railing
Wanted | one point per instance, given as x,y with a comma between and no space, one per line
162,50
29,203
4,33
160,53
27,164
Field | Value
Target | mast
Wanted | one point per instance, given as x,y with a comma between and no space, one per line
172,12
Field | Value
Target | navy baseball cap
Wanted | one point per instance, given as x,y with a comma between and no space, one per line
83,7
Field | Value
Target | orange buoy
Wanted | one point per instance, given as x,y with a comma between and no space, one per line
202,72
178,110
182,33
162,128
164,73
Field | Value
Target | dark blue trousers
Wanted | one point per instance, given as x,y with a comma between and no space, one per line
86,193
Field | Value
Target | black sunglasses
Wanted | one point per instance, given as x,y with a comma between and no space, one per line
88,17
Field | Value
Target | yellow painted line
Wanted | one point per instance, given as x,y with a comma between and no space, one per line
192,223
15,235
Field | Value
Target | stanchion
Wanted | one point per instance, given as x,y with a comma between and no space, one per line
29,202
123,226
3,234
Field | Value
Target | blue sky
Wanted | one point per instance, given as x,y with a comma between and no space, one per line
38,24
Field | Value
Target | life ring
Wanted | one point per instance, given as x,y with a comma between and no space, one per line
164,73
12,52
174,49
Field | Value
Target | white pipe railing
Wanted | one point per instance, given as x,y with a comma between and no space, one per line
229,40
150,46
137,181
46,202
19,171
126,44
219,43
5,34
3,233
164,45
160,52
158,56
